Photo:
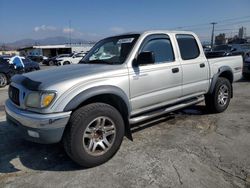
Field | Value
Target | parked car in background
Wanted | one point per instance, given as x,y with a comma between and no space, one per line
52,61
228,50
6,71
30,65
37,58
246,68
74,58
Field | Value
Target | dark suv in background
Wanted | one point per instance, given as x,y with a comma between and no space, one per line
228,50
10,66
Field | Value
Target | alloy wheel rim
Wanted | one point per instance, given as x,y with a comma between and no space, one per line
2,80
223,95
99,136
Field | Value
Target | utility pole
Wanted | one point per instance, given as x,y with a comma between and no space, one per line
70,32
212,37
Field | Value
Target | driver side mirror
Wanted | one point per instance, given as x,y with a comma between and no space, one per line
233,49
145,58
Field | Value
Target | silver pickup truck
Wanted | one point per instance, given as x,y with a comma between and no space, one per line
123,80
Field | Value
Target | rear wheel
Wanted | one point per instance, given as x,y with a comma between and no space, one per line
94,134
219,100
3,80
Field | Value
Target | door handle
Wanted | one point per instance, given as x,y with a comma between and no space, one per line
202,65
175,70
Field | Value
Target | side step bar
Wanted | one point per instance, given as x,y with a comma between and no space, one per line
163,111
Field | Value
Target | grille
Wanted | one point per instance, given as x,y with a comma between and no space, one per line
14,95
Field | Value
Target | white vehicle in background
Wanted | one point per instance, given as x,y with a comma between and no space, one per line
73,58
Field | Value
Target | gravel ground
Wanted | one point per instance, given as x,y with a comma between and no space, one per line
188,148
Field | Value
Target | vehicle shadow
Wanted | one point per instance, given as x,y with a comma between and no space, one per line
199,109
244,79
16,154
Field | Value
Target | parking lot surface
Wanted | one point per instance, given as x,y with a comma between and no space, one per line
188,148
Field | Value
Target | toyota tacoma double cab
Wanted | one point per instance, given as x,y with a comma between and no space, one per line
123,80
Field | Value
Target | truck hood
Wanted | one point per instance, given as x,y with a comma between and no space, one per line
67,75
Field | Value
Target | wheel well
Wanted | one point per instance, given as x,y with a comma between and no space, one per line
115,101
110,99
228,75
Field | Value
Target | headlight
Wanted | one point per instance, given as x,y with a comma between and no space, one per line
40,99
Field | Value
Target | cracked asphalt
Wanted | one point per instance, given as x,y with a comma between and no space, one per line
188,148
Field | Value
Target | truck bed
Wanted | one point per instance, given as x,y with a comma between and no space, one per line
234,62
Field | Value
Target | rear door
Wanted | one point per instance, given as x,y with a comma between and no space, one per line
153,84
195,66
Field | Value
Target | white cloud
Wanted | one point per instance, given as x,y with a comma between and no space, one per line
117,29
44,28
68,30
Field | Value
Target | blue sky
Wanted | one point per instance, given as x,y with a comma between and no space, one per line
95,19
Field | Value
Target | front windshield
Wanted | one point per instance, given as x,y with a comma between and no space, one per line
113,50
222,48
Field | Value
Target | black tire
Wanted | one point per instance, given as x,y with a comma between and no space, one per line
73,139
66,63
246,76
212,100
51,63
3,80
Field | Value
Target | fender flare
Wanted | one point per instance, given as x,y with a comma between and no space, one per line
221,70
95,91
99,90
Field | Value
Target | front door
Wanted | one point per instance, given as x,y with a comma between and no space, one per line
154,84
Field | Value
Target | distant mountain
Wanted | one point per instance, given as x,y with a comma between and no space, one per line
46,41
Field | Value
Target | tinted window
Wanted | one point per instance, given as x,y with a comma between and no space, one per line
26,60
188,47
4,61
162,49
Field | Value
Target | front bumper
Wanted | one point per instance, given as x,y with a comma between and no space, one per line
40,128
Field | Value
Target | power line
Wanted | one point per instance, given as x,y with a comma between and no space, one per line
219,21
231,19
234,23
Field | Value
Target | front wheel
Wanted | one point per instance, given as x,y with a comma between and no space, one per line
3,80
94,134
219,100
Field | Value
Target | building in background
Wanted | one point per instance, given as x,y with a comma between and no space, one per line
54,50
242,33
221,39
9,52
